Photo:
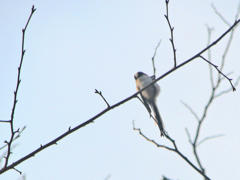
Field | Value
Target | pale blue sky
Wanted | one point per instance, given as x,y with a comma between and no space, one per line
75,47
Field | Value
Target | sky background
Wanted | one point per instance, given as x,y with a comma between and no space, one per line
75,47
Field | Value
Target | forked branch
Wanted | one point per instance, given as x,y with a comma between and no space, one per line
175,149
69,131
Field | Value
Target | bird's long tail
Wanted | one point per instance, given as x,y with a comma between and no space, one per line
158,117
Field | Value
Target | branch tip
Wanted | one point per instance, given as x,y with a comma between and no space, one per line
17,170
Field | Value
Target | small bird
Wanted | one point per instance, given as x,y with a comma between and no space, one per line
149,96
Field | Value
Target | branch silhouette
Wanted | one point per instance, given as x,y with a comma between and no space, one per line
214,87
153,58
69,131
100,94
171,39
175,149
9,143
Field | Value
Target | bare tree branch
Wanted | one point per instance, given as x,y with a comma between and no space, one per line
5,121
9,143
18,135
209,54
228,74
190,109
17,171
216,67
69,131
216,11
170,149
188,134
150,140
229,43
100,93
228,90
153,58
207,138
214,88
171,29
3,156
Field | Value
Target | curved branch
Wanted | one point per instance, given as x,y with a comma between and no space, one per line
211,137
175,149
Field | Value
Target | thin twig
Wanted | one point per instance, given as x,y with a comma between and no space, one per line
16,91
209,54
69,131
18,135
238,11
226,91
216,11
17,171
171,29
228,74
170,149
100,93
229,43
216,67
185,158
153,58
214,88
188,134
190,109
3,156
207,138
150,140
5,121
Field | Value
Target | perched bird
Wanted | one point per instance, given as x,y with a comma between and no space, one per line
149,96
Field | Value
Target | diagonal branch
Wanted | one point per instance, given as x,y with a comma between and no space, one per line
17,171
113,106
216,67
190,109
228,90
189,137
214,88
100,93
219,14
